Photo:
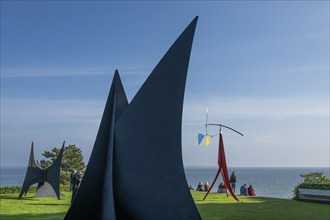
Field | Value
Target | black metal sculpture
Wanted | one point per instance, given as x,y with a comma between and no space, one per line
136,169
149,176
94,199
35,174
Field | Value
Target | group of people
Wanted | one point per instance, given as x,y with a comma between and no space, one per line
75,180
201,187
244,190
249,191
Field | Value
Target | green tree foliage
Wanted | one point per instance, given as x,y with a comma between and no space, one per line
72,160
314,180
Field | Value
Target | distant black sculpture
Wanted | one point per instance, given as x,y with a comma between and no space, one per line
136,169
44,178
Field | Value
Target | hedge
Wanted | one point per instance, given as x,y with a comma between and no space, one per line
314,186
32,189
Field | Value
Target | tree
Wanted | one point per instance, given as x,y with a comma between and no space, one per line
72,160
314,180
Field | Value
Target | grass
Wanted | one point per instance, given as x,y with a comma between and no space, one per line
216,206
33,208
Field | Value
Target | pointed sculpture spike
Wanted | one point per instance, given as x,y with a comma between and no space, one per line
149,176
33,174
32,162
53,172
94,199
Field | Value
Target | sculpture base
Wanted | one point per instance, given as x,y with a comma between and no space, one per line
46,190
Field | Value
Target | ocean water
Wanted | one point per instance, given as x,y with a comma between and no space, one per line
12,176
267,182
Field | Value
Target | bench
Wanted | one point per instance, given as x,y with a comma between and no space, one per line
318,195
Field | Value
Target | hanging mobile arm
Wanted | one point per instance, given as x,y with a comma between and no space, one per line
220,125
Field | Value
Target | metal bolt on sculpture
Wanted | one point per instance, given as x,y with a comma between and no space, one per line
48,179
135,170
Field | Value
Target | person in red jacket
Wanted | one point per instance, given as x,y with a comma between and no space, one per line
251,191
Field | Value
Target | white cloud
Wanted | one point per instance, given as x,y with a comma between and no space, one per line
251,107
42,110
55,72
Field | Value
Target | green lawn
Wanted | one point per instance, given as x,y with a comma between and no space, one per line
33,208
216,206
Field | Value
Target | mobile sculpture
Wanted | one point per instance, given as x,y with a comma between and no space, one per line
135,170
222,165
48,179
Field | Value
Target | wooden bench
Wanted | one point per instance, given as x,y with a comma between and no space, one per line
319,195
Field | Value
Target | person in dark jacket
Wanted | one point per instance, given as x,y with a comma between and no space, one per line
76,184
243,190
72,180
233,181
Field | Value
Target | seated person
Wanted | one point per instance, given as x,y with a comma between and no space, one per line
243,190
222,188
190,188
206,186
200,186
251,191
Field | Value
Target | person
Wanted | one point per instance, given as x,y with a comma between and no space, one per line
206,186
78,180
233,181
222,188
251,191
72,180
190,188
76,184
243,190
200,186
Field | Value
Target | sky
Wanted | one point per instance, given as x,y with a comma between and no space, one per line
261,68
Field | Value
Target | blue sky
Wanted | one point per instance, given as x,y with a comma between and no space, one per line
259,67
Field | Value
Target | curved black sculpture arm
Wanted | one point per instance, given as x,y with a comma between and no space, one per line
52,173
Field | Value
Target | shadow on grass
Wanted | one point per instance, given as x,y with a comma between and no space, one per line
50,204
52,216
16,198
26,198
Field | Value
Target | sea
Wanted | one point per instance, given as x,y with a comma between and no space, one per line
274,182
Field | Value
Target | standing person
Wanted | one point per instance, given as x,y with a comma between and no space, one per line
233,181
76,184
251,191
72,180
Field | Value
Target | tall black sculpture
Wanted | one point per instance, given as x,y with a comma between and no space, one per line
35,174
136,169
94,199
149,176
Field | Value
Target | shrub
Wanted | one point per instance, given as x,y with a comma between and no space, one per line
15,189
32,189
314,180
